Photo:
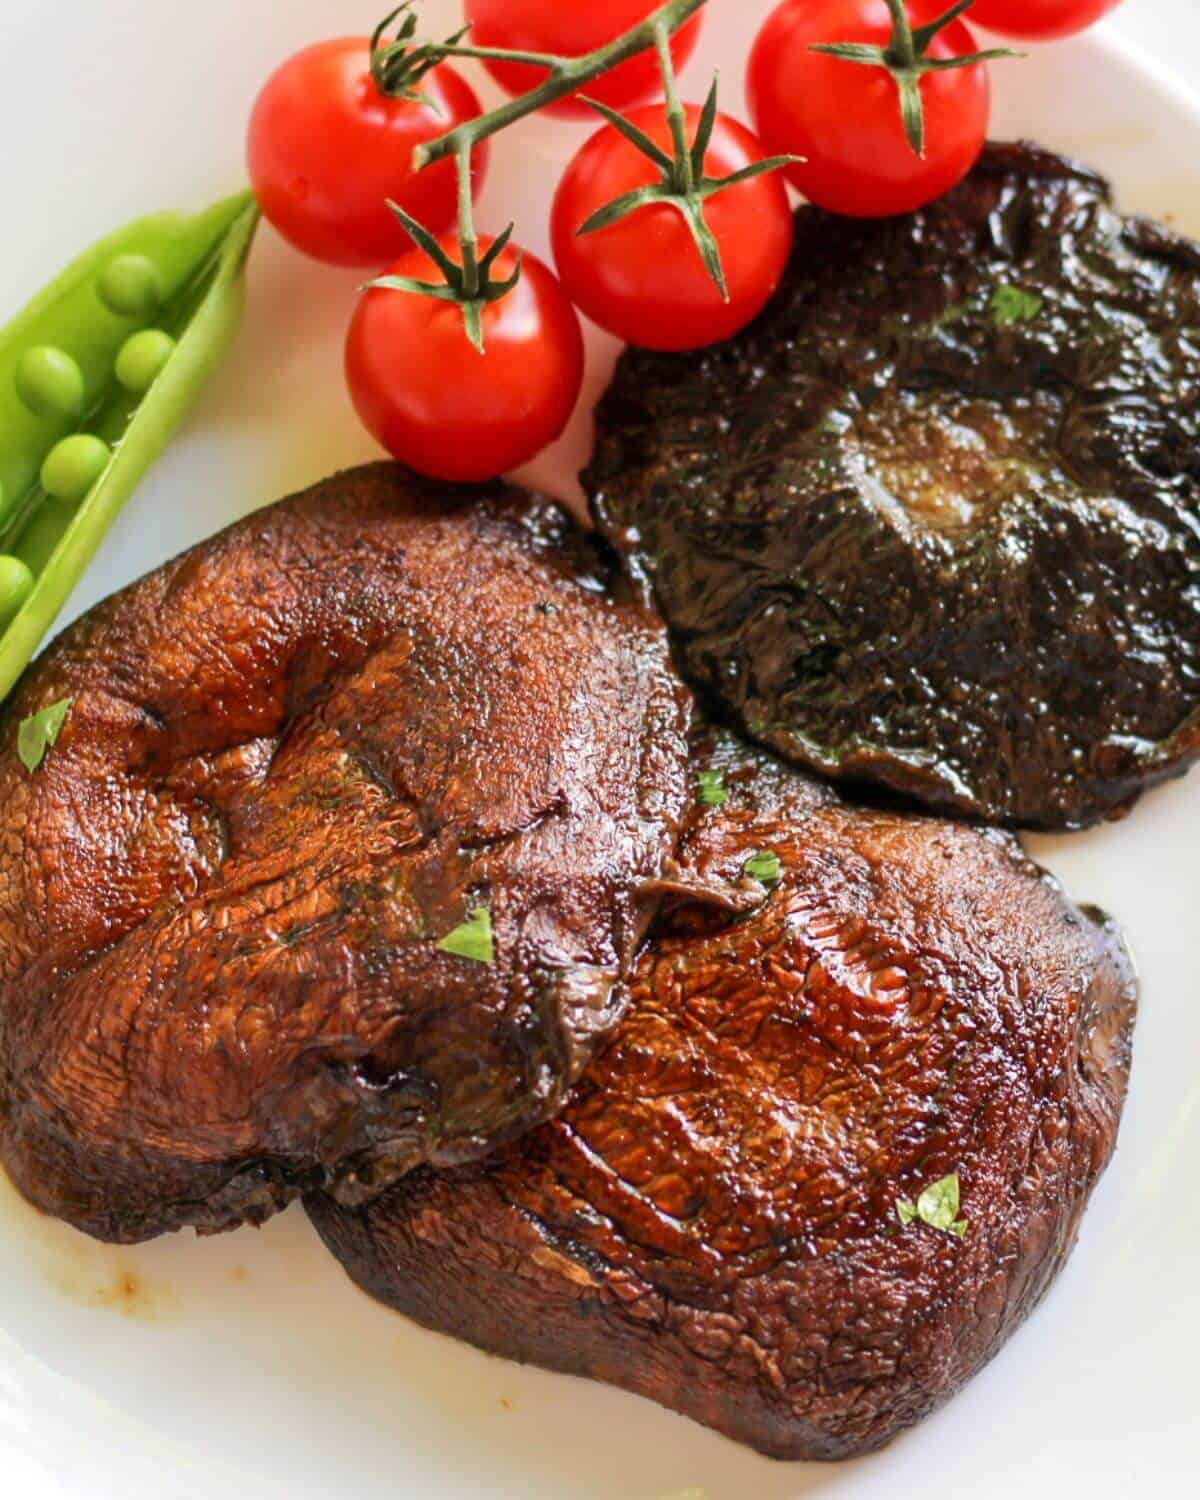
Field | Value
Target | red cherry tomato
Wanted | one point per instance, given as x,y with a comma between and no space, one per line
1040,20
571,28
642,278
326,151
844,117
437,404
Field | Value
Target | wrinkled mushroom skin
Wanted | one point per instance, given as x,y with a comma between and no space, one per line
907,533
298,757
712,1221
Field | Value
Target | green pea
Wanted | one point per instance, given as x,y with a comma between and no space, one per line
143,358
131,287
40,538
16,585
73,466
50,383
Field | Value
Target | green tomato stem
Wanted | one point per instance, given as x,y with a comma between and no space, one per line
683,155
471,284
548,60
567,75
684,185
467,237
902,51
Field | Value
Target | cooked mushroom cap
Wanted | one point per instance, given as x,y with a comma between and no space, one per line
715,1220
934,520
298,760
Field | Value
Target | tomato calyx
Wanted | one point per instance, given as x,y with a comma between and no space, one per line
684,184
471,284
906,58
399,65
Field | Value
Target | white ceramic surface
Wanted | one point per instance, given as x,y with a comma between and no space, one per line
248,1366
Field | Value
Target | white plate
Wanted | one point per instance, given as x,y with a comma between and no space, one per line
248,1365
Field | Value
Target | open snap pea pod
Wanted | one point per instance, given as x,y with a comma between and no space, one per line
95,377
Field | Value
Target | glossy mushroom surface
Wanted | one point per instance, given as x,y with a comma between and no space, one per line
933,521
717,1219
299,760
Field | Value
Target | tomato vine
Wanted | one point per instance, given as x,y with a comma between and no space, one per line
398,67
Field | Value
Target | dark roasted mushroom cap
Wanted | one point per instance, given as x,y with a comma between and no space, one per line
713,1220
298,758
934,520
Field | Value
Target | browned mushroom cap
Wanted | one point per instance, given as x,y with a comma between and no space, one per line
298,759
713,1221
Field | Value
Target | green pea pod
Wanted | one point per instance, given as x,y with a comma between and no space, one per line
95,377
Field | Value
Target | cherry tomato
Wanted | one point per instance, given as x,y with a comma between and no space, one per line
642,278
844,118
1040,20
570,28
326,151
437,404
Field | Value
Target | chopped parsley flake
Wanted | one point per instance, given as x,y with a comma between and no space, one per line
473,939
1013,304
40,733
937,1206
711,789
763,867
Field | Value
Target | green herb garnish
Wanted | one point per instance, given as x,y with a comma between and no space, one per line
764,867
40,733
711,789
1013,304
937,1206
955,313
473,939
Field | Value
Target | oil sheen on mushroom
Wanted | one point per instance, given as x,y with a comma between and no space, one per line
298,761
727,1216
934,520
